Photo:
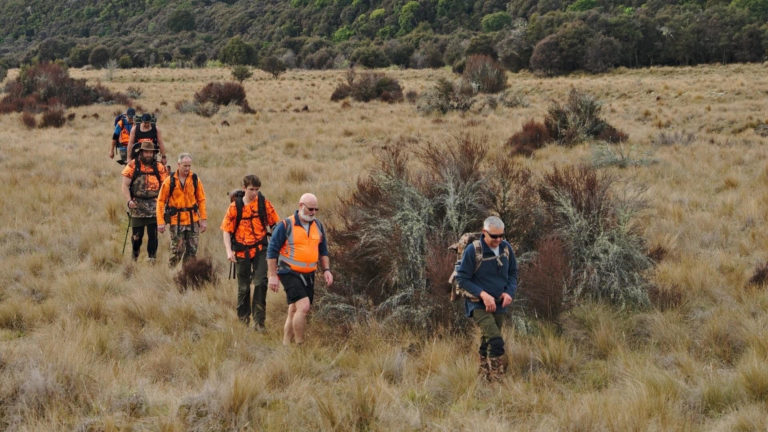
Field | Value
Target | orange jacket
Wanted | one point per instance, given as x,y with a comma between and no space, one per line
183,199
151,185
250,231
301,248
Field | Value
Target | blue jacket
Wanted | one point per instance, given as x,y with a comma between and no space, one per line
491,277
279,237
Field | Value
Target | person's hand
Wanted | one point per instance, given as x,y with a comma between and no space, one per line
112,153
231,256
506,300
488,301
203,226
328,277
272,283
132,204
161,229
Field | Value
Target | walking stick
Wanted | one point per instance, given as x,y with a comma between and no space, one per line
127,228
232,271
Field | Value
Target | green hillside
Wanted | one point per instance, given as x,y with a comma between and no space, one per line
549,36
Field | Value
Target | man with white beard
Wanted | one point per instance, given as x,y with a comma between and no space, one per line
298,243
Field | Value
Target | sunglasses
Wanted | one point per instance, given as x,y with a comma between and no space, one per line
312,209
495,236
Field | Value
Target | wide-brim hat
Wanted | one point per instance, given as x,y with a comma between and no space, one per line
147,145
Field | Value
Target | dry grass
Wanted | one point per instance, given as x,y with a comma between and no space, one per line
89,341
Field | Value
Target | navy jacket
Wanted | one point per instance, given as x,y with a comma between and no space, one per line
491,277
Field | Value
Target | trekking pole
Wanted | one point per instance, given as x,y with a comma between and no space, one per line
127,228
232,272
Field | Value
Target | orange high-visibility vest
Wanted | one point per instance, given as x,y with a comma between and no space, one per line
301,248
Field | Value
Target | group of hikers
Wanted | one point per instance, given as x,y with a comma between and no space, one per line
267,251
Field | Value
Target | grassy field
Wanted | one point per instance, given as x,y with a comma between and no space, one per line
91,342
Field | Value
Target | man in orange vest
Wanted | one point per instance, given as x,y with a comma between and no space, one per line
245,229
181,205
296,247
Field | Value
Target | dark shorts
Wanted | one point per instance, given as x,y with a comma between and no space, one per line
297,286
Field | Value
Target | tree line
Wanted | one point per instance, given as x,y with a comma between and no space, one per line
549,37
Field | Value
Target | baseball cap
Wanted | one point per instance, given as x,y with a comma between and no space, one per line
130,112
146,117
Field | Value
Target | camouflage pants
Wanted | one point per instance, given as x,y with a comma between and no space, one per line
184,241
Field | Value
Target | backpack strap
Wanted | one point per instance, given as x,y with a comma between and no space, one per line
479,254
237,246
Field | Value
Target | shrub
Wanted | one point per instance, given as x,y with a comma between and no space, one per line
547,57
78,56
602,53
133,92
45,85
272,65
194,273
53,118
495,21
3,73
578,120
29,120
532,137
485,74
370,57
99,56
369,86
446,96
760,276
236,51
241,73
606,252
543,279
221,93
181,20
125,62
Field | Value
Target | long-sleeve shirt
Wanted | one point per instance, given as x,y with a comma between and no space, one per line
495,276
184,197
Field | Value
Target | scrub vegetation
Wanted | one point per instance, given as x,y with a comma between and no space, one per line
671,336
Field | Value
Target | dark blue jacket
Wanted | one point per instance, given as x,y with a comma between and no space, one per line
491,277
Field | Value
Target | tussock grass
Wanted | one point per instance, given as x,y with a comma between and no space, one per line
91,341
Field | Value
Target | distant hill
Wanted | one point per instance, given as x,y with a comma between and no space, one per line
548,36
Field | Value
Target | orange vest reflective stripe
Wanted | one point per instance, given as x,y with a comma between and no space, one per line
125,134
301,248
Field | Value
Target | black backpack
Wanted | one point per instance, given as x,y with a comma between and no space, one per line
237,197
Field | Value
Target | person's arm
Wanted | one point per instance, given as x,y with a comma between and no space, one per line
272,279
113,144
511,287
228,246
273,251
200,200
132,140
162,197
325,267
126,189
227,228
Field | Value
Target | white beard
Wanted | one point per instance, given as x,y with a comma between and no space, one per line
306,218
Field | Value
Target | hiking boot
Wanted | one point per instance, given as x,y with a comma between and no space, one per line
498,367
484,371
151,260
259,328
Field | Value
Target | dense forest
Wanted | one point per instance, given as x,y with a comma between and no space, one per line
550,37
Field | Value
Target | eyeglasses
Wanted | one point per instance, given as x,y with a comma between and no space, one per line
495,236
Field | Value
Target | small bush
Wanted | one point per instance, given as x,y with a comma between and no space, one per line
446,96
53,118
220,94
194,273
674,138
760,276
342,91
133,92
29,120
532,137
484,74
578,120
369,86
272,65
241,73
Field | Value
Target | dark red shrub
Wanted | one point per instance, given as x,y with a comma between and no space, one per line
221,94
533,136
29,120
194,273
543,280
53,118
